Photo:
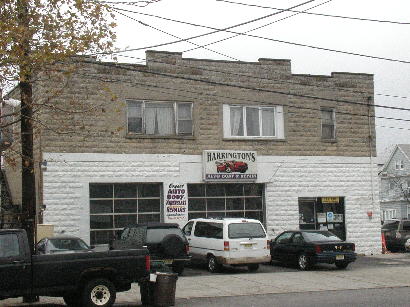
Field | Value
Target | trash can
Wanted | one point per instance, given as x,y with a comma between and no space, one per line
165,286
147,292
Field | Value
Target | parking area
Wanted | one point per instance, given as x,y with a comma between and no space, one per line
392,259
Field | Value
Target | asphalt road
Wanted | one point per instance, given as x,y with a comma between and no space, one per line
391,297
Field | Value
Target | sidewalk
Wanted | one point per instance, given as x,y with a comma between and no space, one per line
271,283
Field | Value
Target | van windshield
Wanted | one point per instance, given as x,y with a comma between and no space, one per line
245,230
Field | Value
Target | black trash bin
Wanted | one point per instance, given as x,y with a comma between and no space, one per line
165,286
147,292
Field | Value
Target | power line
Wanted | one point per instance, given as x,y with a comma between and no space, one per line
162,31
250,35
204,46
281,81
262,26
196,36
245,88
318,14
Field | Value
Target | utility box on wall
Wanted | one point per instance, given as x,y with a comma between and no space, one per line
44,230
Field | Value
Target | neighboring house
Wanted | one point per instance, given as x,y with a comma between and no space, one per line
395,184
183,138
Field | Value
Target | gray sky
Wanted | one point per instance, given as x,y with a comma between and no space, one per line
364,37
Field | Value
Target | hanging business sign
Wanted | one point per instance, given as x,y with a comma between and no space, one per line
176,203
330,200
226,165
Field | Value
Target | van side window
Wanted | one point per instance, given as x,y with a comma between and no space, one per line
188,228
209,230
9,245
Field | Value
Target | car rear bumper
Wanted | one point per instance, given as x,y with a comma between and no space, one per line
243,260
332,257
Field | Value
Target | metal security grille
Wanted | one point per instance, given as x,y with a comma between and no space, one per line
226,200
114,206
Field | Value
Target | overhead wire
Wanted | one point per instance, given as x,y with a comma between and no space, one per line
318,14
204,46
248,35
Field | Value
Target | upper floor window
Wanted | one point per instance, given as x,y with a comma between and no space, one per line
159,118
399,165
328,117
253,121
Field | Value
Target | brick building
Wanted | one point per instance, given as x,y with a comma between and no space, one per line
180,138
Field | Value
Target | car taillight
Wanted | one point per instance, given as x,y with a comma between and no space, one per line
147,263
353,247
318,249
187,248
226,246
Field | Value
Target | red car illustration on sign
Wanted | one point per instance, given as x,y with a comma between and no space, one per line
231,166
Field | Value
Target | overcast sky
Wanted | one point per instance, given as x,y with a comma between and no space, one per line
378,39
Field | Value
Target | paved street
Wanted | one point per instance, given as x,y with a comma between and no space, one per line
279,283
392,297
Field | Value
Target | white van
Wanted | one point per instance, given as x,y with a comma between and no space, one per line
233,241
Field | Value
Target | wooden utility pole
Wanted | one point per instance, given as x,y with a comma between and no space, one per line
26,123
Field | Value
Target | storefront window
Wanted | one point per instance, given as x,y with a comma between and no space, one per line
114,206
323,213
225,200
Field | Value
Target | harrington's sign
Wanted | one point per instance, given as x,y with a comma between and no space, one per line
225,165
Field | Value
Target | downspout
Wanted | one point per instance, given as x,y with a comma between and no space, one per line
369,100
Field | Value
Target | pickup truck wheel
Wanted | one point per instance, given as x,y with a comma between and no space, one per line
99,292
72,300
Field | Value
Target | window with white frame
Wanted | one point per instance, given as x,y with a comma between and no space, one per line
159,118
399,165
328,117
253,121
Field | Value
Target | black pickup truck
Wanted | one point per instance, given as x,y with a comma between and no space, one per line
83,279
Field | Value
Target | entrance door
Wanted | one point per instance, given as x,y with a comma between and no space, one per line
323,213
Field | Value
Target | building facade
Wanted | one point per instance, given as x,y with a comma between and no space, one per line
181,138
395,184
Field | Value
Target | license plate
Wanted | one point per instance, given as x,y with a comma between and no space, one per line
168,261
247,245
340,257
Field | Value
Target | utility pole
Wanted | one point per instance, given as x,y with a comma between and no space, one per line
26,123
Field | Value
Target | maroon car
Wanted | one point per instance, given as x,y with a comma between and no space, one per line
231,166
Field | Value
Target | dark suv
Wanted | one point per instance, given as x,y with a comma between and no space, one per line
396,233
165,241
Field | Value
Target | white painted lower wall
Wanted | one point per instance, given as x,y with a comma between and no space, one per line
67,176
